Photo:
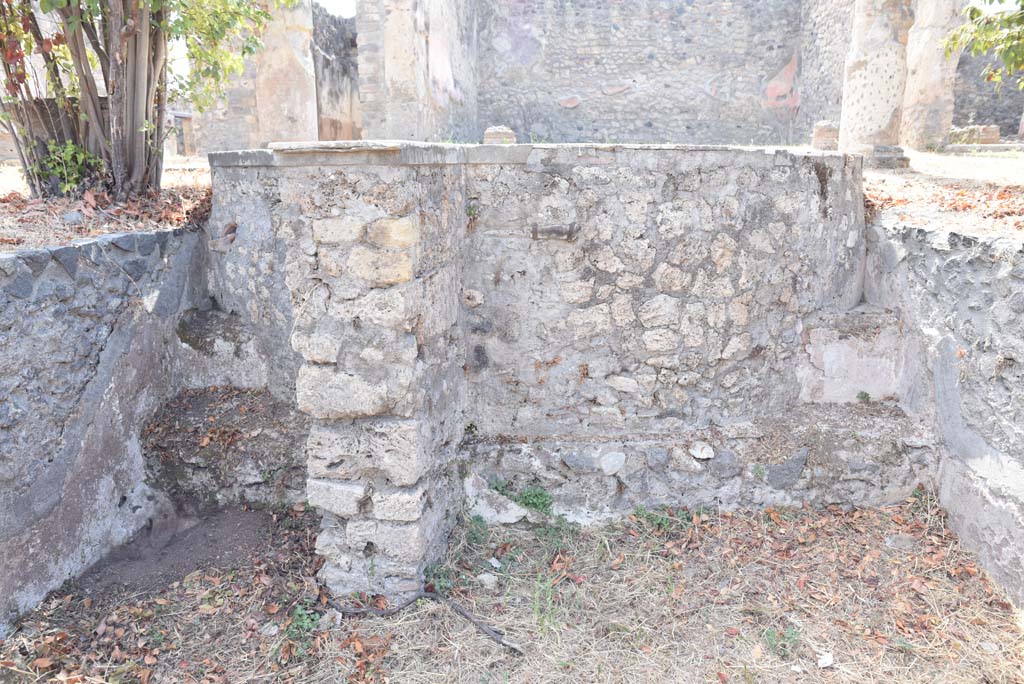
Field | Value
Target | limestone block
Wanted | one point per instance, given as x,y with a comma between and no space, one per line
393,447
499,135
661,310
405,542
338,230
403,505
379,269
340,498
395,233
975,135
332,394
702,451
592,321
825,136
660,340
493,507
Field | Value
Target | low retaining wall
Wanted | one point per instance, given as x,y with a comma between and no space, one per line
962,298
85,357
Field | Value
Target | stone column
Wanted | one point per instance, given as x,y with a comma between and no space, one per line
875,77
383,372
284,81
928,97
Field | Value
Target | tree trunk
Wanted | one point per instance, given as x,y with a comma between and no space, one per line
117,41
139,89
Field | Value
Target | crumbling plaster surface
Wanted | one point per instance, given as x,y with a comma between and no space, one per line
963,296
87,351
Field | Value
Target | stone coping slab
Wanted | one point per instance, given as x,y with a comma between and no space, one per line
351,152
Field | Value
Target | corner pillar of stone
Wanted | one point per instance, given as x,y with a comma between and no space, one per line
382,377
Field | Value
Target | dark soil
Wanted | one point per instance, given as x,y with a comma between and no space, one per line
168,552
223,446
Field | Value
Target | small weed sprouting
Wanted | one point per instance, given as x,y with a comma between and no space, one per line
662,523
503,487
471,431
300,630
557,532
544,603
863,397
922,500
904,646
782,643
759,471
442,577
472,210
535,498
477,532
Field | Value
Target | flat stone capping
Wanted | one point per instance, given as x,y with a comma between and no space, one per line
979,147
406,152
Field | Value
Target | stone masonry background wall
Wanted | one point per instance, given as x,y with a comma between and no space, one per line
658,327
417,69
643,71
336,60
825,29
87,352
978,102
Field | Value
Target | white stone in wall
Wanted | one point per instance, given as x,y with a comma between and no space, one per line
379,269
340,498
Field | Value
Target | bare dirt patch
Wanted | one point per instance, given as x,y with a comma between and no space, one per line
876,595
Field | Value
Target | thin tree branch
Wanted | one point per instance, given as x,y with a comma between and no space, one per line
492,633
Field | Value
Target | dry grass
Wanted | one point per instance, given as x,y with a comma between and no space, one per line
887,595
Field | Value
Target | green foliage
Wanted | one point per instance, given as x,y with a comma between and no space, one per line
992,29
477,532
863,397
782,643
69,165
303,622
660,522
217,35
557,533
535,498
503,487
442,577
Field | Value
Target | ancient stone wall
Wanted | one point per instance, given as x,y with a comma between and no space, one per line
417,69
825,28
979,102
962,296
87,352
620,326
274,98
336,63
646,71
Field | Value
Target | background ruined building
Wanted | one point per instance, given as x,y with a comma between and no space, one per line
744,72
